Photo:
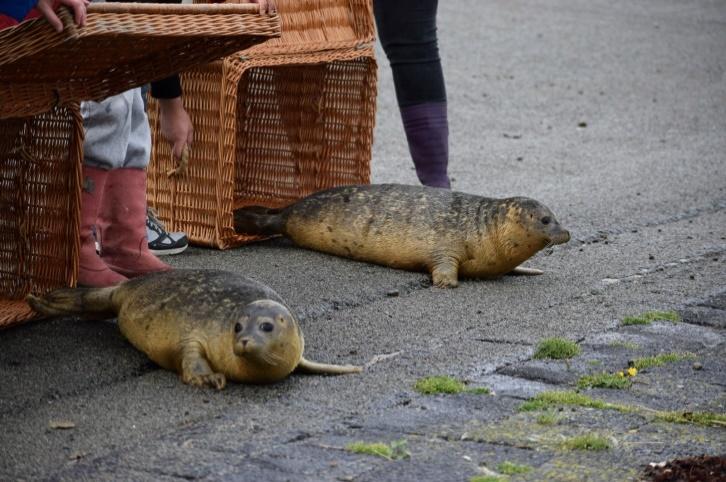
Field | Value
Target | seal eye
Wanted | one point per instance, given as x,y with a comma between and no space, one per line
237,327
267,326
546,220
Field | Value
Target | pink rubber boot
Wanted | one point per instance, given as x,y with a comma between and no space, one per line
93,271
122,225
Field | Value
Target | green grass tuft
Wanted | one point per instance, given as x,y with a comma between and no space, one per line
556,349
395,451
650,316
707,419
662,359
443,384
549,399
604,380
439,384
479,391
487,478
510,468
586,442
545,400
548,418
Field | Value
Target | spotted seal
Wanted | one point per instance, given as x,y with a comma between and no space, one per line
207,325
447,233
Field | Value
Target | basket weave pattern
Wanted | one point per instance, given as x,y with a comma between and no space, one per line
40,180
273,123
121,46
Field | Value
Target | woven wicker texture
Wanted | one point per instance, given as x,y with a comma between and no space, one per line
273,123
39,207
121,46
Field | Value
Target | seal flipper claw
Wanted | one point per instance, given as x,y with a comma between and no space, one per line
195,369
521,271
314,368
445,273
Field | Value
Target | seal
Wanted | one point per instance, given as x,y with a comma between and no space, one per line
419,228
207,325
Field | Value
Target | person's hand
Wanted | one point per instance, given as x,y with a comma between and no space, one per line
176,126
46,8
266,6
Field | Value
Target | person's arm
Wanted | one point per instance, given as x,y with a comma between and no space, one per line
176,126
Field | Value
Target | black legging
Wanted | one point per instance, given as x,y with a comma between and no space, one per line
407,31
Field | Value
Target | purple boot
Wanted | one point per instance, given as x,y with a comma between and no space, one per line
427,131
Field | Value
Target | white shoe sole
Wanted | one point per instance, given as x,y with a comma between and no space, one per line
165,252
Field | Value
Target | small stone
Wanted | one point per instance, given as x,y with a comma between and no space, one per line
582,125
651,257
697,366
393,293
692,277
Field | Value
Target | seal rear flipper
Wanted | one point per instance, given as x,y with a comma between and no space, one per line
314,368
258,220
96,302
520,271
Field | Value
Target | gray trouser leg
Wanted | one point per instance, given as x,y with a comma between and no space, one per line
117,132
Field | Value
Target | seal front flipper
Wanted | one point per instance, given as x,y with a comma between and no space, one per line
258,220
96,302
445,272
195,369
521,271
314,368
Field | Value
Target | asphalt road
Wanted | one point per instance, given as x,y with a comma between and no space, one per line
612,113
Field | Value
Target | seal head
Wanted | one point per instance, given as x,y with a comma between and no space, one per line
536,220
268,338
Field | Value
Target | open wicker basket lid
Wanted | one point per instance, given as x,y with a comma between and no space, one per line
122,45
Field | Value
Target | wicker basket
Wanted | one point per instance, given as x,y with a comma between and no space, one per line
273,123
39,207
121,46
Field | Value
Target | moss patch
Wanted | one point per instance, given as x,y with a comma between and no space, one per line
662,359
446,385
707,419
550,399
586,442
556,349
393,451
604,380
650,316
545,400
510,468
548,418
487,478
628,345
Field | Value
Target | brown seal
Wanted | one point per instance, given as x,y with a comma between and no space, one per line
447,233
207,325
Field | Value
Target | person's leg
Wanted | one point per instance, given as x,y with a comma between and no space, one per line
122,217
106,128
407,31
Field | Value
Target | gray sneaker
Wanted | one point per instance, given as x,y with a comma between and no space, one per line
162,242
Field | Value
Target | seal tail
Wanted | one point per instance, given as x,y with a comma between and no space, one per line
259,220
307,366
75,301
